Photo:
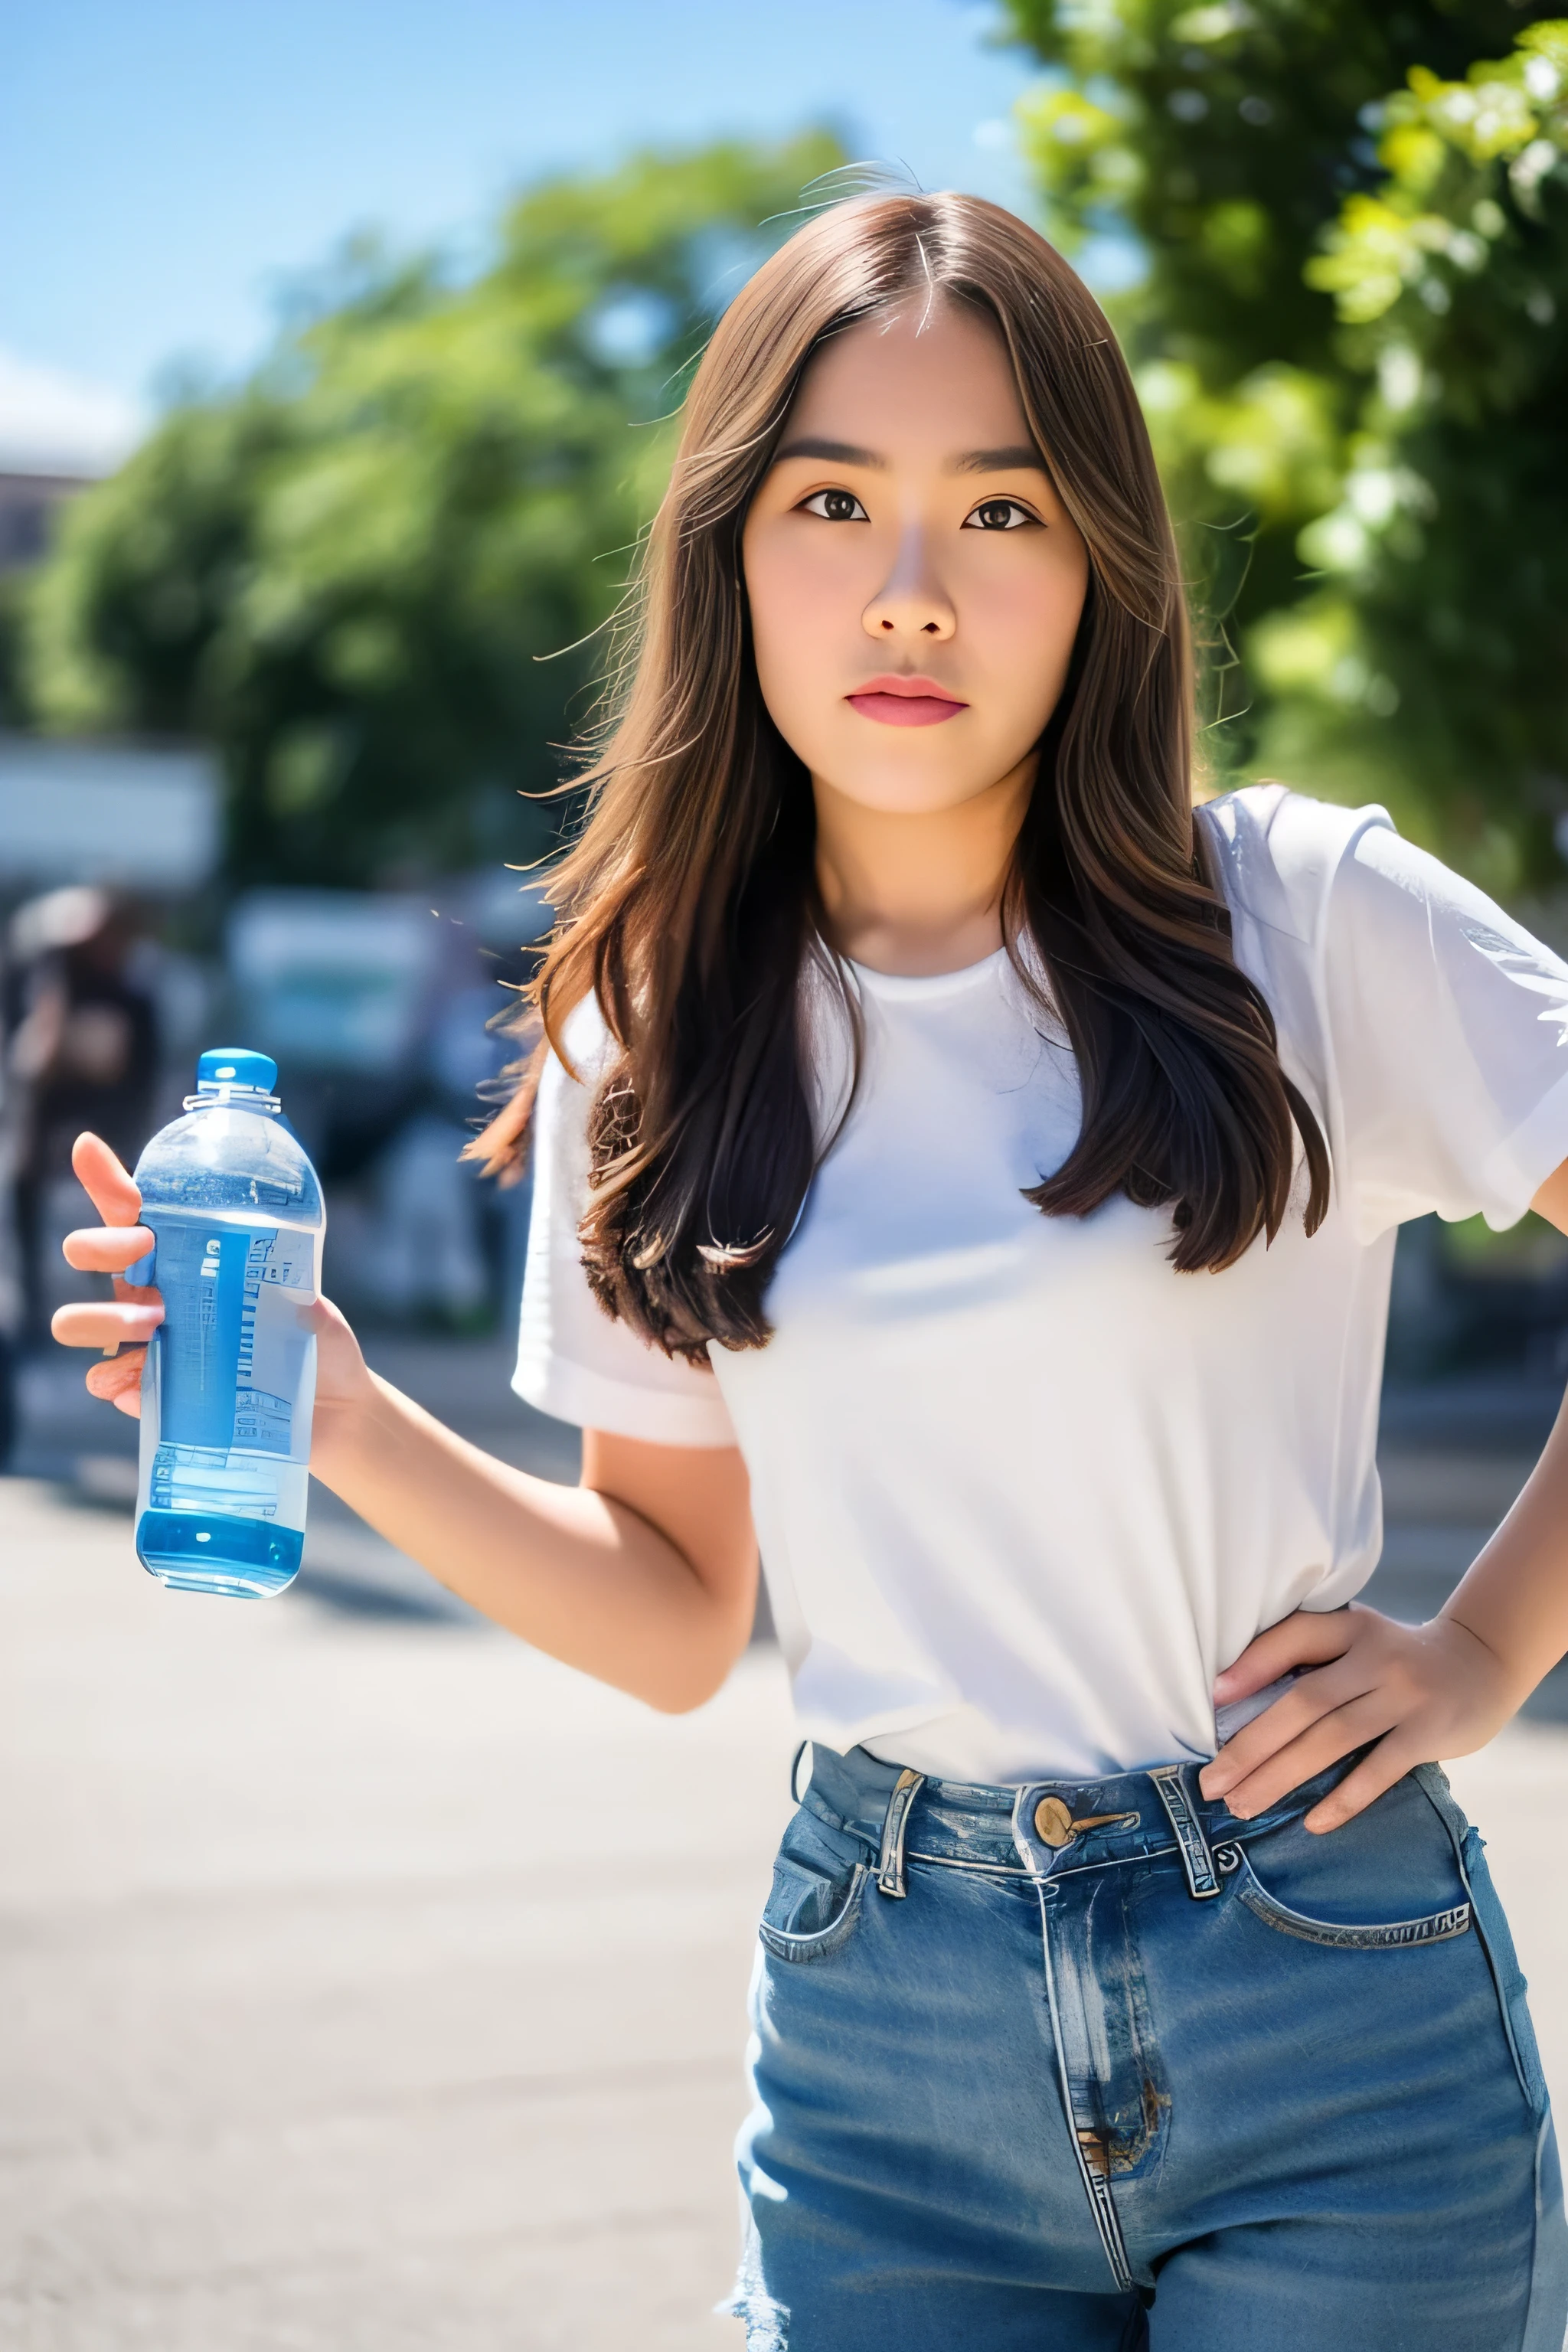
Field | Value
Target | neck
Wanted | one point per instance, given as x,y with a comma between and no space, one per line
918,894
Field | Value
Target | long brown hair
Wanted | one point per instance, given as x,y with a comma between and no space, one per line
690,890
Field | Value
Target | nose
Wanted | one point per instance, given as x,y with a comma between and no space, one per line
911,603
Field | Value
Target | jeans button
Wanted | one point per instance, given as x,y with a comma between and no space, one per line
1053,1822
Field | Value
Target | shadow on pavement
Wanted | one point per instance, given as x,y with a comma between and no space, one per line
369,1598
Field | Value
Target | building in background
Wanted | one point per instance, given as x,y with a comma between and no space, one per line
58,435
28,503
131,816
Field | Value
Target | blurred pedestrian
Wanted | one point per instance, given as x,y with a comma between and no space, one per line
11,1293
82,1051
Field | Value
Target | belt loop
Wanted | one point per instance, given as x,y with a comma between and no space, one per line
795,1771
1203,1879
891,1861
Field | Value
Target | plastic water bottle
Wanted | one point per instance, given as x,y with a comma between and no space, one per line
235,1209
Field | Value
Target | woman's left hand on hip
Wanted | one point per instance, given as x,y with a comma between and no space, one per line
1417,1692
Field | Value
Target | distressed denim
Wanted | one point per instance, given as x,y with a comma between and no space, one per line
1093,2066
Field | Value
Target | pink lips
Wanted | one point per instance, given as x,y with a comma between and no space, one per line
906,702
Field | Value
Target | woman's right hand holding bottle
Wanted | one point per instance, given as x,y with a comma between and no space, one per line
123,1327
643,1575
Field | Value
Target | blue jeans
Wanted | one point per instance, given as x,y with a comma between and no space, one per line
1093,2064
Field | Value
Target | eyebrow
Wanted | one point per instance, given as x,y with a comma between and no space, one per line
1006,460
1014,456
830,453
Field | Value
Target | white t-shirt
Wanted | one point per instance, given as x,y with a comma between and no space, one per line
1021,1488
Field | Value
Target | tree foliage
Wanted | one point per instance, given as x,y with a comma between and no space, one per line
1349,337
356,572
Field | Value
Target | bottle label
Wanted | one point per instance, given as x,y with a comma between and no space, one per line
232,1346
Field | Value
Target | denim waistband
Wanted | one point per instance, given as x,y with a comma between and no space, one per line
1121,1818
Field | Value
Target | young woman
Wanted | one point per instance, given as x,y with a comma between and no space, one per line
974,1175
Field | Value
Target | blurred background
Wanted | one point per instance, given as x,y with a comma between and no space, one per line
341,354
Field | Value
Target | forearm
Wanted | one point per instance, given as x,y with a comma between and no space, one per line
1515,1597
570,1570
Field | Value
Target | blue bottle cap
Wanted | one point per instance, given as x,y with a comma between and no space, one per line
232,1066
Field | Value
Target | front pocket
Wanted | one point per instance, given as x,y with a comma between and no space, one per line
819,1943
820,1880
1397,1935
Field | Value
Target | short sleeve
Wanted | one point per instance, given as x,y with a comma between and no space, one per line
573,1361
1448,1029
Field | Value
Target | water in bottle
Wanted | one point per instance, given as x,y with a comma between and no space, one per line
235,1210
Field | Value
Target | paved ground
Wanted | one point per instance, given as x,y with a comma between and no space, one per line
367,1982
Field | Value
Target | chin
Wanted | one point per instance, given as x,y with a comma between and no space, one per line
905,787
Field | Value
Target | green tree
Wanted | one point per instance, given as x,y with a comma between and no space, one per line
1374,504
348,572
1445,558
14,709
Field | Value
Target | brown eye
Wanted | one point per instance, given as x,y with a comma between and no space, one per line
835,506
999,514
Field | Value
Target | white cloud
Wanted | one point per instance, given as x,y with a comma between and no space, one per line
53,423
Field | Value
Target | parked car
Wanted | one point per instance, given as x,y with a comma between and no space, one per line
379,1009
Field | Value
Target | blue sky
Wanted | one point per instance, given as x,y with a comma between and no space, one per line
164,165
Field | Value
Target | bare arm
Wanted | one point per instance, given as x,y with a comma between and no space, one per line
644,1574
1420,1692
